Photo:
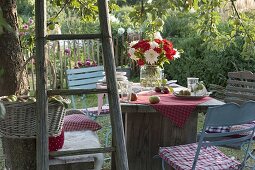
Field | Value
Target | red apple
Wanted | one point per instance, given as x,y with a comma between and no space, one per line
157,89
134,97
165,90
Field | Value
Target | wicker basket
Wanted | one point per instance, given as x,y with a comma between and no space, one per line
20,119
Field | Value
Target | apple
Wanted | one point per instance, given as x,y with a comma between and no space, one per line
165,90
157,89
134,97
154,99
164,82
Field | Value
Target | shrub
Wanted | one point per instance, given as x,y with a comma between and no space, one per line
198,59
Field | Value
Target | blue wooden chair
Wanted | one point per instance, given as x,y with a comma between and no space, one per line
84,78
205,154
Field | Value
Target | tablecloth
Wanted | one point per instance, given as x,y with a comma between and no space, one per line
176,109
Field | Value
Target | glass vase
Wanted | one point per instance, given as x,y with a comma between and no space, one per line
150,76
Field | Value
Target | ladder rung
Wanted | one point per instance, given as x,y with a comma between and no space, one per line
75,91
73,36
81,151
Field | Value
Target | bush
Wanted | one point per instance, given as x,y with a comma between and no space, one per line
198,59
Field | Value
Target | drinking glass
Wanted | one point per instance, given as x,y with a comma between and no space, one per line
191,82
125,90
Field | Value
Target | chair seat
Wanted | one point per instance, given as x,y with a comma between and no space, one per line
210,158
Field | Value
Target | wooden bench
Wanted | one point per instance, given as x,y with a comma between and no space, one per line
240,87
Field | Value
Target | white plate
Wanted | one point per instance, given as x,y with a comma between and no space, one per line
189,97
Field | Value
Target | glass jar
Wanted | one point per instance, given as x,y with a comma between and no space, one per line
150,76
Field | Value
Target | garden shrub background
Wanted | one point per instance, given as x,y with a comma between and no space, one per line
199,59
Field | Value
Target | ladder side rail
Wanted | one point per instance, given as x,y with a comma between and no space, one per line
121,159
42,153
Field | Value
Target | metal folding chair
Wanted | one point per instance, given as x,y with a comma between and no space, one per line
205,154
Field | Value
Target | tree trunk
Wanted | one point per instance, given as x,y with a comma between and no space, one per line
11,58
11,62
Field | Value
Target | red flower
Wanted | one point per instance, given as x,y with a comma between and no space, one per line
140,62
158,41
173,52
158,50
143,45
169,56
167,42
167,48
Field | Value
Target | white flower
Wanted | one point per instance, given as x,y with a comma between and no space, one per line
177,54
130,31
133,43
121,31
151,56
114,19
157,36
153,44
192,10
131,52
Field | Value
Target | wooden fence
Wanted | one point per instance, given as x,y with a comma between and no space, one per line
63,55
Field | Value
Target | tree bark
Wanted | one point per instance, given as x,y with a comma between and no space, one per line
11,57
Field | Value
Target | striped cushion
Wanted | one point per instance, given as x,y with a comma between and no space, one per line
218,129
181,158
77,122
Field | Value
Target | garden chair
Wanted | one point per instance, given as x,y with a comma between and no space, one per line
240,88
205,154
85,78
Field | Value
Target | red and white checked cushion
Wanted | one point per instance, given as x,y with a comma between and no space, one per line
77,122
242,127
56,143
181,158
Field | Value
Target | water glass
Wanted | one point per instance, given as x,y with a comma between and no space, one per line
125,90
191,82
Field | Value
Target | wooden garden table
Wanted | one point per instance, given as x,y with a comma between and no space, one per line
146,129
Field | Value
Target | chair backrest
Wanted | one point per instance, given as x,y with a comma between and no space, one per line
240,87
84,78
227,115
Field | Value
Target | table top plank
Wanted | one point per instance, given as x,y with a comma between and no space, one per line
132,107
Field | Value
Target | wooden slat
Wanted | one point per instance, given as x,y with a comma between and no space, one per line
83,70
72,77
241,83
240,89
86,86
73,36
76,91
83,82
235,100
246,96
82,151
242,75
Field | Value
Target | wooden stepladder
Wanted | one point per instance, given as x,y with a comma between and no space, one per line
118,148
